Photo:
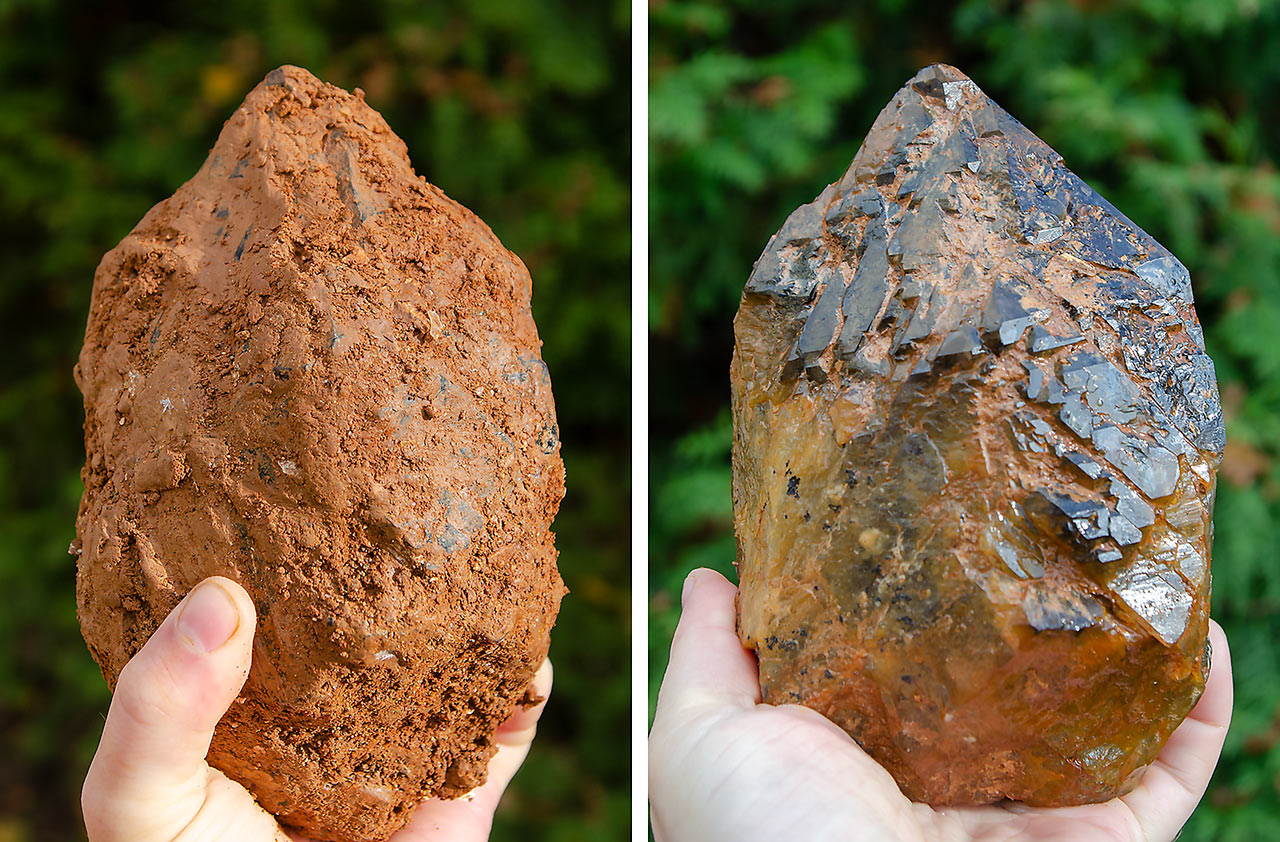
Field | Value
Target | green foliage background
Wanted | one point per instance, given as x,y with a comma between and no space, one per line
1168,107
517,108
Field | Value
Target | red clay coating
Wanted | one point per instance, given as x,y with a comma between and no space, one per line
312,372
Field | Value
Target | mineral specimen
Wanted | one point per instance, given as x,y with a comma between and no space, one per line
311,371
975,444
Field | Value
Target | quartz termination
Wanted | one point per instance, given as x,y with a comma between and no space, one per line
975,442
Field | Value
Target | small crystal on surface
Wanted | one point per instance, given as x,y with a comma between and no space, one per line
975,444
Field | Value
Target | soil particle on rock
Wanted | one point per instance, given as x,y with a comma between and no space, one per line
311,371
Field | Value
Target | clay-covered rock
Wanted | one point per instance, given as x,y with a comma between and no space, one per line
312,372
975,442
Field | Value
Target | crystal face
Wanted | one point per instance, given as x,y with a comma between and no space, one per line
975,443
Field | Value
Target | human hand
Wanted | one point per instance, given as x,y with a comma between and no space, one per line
723,766
149,781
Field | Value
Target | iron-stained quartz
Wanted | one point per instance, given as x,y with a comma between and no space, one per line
975,443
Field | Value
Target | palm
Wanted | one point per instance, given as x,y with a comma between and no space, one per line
725,767
762,772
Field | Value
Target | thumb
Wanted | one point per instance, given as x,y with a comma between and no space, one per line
167,701
708,662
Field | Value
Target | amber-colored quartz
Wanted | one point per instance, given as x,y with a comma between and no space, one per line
975,443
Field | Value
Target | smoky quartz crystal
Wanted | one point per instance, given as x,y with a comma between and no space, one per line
976,435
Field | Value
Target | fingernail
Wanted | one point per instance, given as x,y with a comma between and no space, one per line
209,617
688,585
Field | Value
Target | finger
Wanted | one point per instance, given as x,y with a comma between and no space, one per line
470,818
170,696
1172,787
1214,707
708,661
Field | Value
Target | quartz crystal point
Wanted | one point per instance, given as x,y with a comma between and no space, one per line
975,442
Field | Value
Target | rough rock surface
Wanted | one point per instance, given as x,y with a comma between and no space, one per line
311,371
975,444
